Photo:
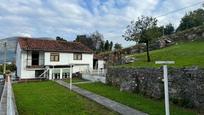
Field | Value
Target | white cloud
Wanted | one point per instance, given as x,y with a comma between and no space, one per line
68,18
25,35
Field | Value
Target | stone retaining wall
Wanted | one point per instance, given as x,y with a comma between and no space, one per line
186,86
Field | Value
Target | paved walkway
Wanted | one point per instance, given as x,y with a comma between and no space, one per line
120,108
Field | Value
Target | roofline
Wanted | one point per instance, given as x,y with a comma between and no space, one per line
59,51
18,41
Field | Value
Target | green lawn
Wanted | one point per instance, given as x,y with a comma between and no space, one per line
49,98
153,107
75,80
184,54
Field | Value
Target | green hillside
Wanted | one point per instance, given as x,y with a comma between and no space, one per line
186,54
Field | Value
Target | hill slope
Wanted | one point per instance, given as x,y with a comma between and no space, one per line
186,54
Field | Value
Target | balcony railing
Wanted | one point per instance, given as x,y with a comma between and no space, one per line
38,64
35,66
99,72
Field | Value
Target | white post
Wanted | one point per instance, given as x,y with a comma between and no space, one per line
70,77
166,89
50,74
61,73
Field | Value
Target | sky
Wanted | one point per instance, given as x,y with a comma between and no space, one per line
68,18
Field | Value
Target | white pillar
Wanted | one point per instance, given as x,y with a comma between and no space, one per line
166,90
61,73
70,77
50,74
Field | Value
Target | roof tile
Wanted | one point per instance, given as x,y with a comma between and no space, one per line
52,45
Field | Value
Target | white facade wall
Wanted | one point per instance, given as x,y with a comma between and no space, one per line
101,64
68,58
23,59
25,73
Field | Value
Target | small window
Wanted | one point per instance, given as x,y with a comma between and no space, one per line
54,57
77,56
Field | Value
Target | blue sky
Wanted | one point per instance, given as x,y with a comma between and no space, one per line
68,18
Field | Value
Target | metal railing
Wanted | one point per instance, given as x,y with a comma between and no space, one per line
99,72
43,75
7,104
39,61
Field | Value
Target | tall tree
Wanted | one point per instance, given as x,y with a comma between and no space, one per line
169,29
144,30
110,46
94,41
87,41
102,46
192,19
117,46
97,38
106,46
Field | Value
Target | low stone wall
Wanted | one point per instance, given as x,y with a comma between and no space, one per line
186,86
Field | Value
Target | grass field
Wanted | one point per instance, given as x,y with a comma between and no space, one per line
153,107
184,54
49,98
75,80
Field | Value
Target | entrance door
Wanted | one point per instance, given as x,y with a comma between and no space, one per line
35,58
95,64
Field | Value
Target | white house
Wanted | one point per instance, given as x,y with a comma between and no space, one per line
52,59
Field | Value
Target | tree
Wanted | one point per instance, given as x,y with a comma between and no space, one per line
191,19
94,41
106,46
169,29
166,30
117,46
87,41
102,46
97,38
110,46
144,30
60,38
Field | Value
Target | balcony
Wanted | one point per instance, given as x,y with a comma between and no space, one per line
35,60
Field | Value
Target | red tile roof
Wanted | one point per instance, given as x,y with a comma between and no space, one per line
52,45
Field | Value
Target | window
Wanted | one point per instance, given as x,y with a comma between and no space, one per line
77,56
54,57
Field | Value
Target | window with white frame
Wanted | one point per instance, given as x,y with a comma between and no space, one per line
77,56
54,57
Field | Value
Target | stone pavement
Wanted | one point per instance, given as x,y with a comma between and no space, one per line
118,107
